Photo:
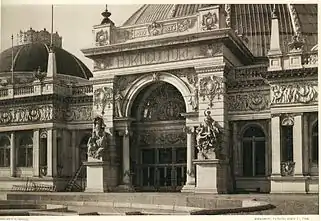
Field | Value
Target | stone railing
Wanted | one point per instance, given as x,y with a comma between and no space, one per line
4,92
23,90
310,59
83,89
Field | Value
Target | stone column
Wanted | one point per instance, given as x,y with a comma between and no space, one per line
36,151
74,152
297,145
190,172
276,146
236,151
127,182
13,154
306,155
52,153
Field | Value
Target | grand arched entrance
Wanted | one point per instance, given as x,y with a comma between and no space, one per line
158,150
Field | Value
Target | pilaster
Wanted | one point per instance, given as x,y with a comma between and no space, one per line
276,145
75,152
297,144
51,153
13,164
36,150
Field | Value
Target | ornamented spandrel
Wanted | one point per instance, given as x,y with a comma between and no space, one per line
302,92
210,87
103,97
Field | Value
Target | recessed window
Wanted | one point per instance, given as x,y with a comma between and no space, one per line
25,155
4,151
315,144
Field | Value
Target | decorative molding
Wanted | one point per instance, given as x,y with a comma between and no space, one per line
210,87
103,97
210,69
155,28
287,120
209,21
150,137
31,113
228,15
302,92
78,113
43,133
152,56
252,101
287,168
102,38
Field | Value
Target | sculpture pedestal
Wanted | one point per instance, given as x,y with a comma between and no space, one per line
97,176
210,176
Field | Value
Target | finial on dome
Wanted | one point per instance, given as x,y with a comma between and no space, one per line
106,14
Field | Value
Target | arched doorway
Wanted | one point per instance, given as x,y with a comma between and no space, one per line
158,151
254,152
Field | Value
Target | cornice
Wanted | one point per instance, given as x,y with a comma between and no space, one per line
175,40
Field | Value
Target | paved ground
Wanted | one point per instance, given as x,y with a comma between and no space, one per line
285,204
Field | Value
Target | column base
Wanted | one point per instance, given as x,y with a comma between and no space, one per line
125,188
188,188
290,184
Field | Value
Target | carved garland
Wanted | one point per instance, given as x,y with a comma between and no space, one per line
103,97
211,87
254,101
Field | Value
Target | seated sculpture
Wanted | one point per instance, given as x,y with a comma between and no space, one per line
208,137
98,141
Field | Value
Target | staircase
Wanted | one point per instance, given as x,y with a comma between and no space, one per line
72,183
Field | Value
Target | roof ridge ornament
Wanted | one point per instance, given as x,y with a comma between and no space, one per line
106,14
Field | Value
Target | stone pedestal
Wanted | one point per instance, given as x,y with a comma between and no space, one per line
209,176
97,176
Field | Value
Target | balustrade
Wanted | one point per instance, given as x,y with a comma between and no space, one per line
24,90
86,89
4,92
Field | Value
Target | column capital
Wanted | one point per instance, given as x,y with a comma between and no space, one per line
189,129
125,132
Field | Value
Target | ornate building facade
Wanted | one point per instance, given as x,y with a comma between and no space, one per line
254,67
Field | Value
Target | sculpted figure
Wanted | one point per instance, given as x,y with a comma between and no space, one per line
98,141
277,94
207,139
118,102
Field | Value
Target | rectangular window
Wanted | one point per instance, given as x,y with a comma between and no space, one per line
287,143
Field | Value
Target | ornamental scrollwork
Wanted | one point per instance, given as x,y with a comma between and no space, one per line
102,38
228,15
162,138
103,97
252,101
293,93
78,113
287,120
209,21
287,168
155,29
208,138
211,87
185,24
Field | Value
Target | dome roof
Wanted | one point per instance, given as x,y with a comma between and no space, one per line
251,20
28,57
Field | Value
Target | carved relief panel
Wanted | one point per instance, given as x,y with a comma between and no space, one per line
211,87
209,19
299,92
251,101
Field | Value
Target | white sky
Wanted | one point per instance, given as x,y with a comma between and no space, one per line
74,19
73,22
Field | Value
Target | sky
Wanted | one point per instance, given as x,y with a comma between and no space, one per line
72,22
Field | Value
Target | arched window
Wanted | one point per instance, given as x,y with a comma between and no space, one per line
4,151
253,148
25,155
315,144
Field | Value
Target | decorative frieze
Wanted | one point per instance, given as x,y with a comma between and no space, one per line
147,57
252,101
162,138
301,92
211,87
78,113
26,114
